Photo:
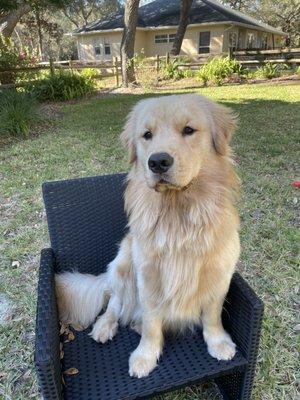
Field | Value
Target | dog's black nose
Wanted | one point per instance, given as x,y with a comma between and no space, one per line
160,162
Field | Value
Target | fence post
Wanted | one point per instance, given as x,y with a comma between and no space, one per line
52,70
157,63
115,63
167,58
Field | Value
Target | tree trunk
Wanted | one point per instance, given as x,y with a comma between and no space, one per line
183,23
127,44
9,21
40,35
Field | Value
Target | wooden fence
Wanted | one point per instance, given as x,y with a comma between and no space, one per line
249,58
253,58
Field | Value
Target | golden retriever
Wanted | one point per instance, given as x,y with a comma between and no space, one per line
174,267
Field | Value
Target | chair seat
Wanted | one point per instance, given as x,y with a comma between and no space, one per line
103,368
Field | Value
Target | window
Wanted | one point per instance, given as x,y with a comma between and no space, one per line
97,49
107,48
167,38
204,42
172,37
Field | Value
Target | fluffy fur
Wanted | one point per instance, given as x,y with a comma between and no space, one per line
174,266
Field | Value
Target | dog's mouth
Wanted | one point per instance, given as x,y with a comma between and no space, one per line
162,185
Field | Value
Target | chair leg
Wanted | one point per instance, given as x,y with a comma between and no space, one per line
237,386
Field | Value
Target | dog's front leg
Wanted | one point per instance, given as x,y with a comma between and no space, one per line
144,358
219,343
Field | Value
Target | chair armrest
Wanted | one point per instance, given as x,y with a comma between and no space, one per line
242,317
47,343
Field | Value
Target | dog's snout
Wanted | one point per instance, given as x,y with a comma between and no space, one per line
160,162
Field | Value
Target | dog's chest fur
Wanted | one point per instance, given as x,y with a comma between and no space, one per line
175,233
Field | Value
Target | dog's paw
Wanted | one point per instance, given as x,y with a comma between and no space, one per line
140,365
222,347
104,329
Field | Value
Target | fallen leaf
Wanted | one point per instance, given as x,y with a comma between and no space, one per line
64,329
71,371
297,328
15,264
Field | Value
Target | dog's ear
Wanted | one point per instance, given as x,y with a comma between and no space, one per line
127,137
223,124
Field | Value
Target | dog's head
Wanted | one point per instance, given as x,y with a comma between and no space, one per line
172,137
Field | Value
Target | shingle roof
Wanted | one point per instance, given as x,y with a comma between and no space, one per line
167,13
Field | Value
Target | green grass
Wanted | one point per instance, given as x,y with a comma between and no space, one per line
83,142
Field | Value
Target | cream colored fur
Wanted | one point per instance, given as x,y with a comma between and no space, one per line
174,267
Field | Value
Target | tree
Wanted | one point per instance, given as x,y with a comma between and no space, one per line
183,23
11,11
128,39
10,15
282,14
82,12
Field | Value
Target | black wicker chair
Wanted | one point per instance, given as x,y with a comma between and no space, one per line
86,221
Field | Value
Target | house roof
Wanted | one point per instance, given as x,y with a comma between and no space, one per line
162,13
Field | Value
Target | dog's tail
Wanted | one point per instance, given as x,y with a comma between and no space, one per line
80,297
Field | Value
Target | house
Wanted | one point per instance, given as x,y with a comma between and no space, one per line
213,28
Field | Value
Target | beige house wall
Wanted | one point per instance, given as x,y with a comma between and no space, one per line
145,41
86,44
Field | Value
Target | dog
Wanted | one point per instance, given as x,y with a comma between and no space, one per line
175,264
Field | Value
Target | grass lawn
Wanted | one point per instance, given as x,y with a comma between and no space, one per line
83,141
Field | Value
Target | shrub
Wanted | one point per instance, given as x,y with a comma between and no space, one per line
10,58
90,73
189,73
298,70
61,86
145,71
268,71
217,69
172,71
18,111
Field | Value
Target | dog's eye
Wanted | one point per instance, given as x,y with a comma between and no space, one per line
147,135
187,130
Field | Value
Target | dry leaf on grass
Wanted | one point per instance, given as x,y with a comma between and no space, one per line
71,371
15,264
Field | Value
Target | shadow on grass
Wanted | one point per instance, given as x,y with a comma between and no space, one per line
256,116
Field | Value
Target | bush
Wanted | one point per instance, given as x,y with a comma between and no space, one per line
172,71
18,111
10,58
90,73
298,71
268,71
218,69
189,73
61,86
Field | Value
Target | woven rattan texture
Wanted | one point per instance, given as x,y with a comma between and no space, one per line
47,350
86,222
103,369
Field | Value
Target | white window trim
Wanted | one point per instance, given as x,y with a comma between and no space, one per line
166,36
204,47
